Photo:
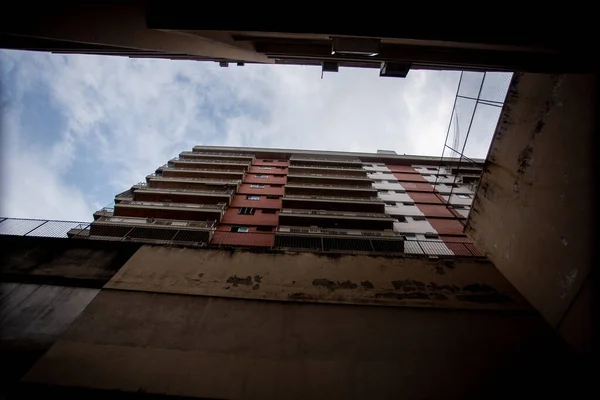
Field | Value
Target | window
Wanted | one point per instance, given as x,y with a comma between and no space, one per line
246,211
272,197
431,236
262,176
264,167
458,206
239,229
463,196
383,182
391,192
431,169
269,211
390,203
410,236
257,186
408,204
280,160
265,228
419,218
267,160
401,219
276,186
251,197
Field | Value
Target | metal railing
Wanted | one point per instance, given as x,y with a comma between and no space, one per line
332,176
199,234
341,232
210,153
144,186
332,167
326,159
336,198
209,170
332,186
220,206
198,180
202,161
340,213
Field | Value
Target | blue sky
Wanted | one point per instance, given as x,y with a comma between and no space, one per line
77,129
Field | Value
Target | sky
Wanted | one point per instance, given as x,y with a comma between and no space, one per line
77,129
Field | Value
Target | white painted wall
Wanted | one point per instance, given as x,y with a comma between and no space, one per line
382,168
395,196
378,176
389,186
411,226
401,209
443,188
457,200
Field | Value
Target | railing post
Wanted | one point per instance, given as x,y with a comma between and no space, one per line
421,247
43,223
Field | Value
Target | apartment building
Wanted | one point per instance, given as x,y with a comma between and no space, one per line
300,200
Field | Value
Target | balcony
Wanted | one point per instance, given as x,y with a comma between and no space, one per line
338,240
202,173
146,230
320,189
315,160
145,193
195,155
238,165
166,182
164,210
336,219
326,169
337,179
334,203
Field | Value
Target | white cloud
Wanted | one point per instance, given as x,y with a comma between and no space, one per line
132,115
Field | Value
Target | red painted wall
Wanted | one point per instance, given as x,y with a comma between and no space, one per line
278,179
252,238
430,210
402,168
445,226
417,186
241,201
254,169
421,197
267,190
278,163
232,217
402,177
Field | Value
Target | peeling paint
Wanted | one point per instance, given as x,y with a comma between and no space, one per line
247,281
567,282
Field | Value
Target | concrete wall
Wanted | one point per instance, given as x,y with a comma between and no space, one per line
230,348
534,208
317,278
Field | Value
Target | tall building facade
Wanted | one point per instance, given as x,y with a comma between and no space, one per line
300,200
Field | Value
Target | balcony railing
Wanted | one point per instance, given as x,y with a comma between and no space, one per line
198,180
220,206
183,233
329,176
157,222
216,153
333,213
209,170
333,198
331,167
326,159
144,186
340,232
331,186
202,161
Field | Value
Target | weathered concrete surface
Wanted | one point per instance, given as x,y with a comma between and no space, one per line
82,263
317,278
233,348
534,208
32,318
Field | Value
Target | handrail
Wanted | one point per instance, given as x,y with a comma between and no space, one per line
328,231
303,196
370,188
200,191
158,221
216,171
328,167
328,212
211,161
164,204
210,153
334,176
325,159
199,180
